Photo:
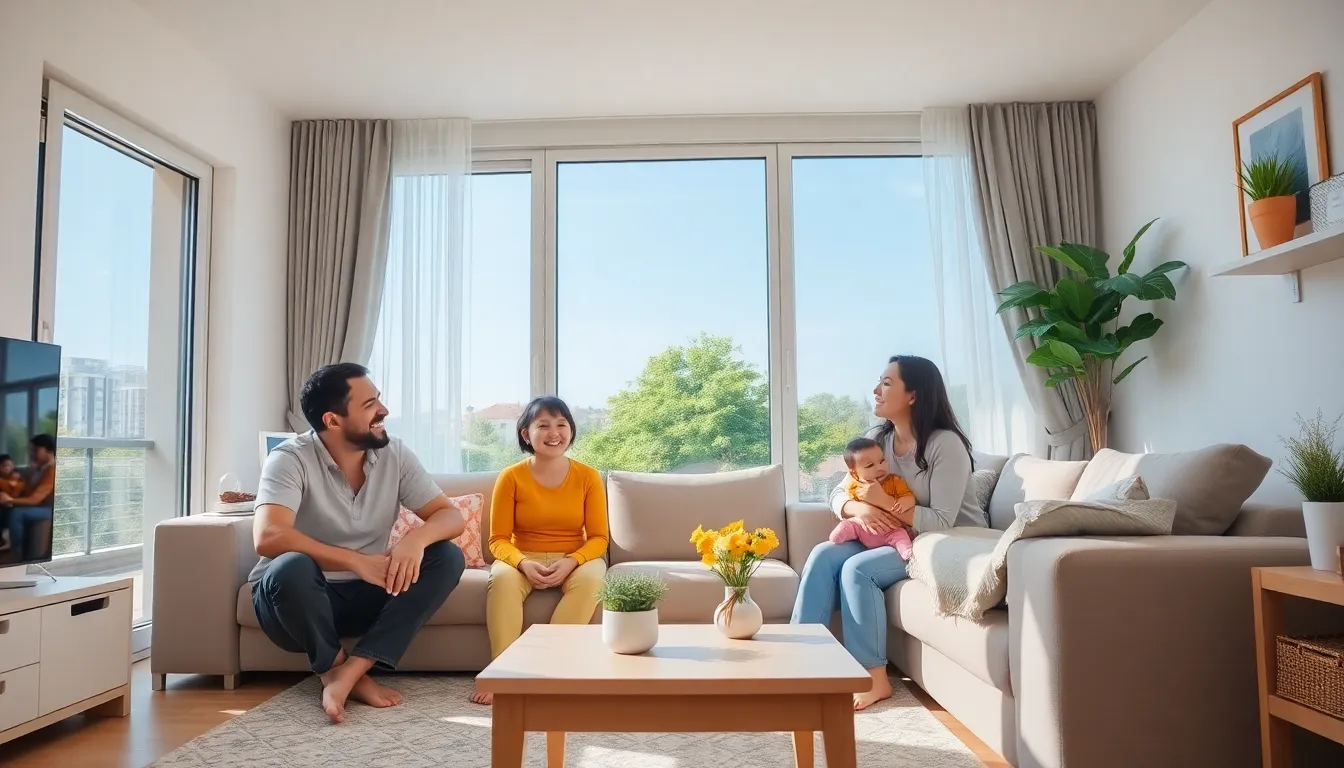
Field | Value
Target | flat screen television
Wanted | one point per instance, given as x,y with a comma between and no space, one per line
30,404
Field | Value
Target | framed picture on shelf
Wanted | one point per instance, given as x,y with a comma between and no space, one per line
267,441
1290,126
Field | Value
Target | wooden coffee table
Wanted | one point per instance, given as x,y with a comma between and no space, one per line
790,678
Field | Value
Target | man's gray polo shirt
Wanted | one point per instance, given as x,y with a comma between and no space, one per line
301,475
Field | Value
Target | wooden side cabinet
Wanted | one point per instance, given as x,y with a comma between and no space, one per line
65,648
1277,714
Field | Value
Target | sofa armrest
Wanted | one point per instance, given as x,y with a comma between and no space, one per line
1269,520
810,523
200,563
1137,651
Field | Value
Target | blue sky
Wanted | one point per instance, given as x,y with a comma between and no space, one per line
102,272
650,254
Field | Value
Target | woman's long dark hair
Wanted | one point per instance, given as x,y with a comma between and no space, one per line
931,411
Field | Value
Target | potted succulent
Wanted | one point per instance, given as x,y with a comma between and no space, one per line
1076,326
1316,468
630,611
1271,183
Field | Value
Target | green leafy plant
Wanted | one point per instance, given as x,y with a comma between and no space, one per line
1269,176
1314,465
631,592
1076,320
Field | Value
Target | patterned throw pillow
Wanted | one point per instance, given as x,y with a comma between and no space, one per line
469,542
983,481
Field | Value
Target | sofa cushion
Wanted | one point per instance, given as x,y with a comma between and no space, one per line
651,516
1209,485
1027,478
980,647
464,606
990,461
694,591
465,484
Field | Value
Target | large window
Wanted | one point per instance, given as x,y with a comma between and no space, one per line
123,215
701,308
863,289
662,320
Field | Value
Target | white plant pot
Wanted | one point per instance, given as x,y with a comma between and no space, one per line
630,632
1325,532
738,620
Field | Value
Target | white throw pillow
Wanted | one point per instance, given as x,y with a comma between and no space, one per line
1130,488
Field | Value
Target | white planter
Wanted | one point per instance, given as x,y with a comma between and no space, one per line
630,632
738,620
1325,532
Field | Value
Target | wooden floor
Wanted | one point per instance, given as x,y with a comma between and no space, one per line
163,721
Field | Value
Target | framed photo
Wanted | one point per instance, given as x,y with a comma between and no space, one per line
267,441
1292,126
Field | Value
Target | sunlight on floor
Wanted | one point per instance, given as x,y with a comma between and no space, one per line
479,722
603,756
234,712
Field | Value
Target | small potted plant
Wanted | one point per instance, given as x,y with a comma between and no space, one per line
734,554
1271,183
630,611
1316,468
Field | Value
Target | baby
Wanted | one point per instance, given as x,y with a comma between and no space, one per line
867,464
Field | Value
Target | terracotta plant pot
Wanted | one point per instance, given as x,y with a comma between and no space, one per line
1273,219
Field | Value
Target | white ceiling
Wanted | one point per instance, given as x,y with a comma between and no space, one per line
508,59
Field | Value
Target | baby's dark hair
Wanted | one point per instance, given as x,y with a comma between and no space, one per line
856,445
5,457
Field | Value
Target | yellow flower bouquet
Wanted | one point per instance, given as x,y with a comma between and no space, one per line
734,554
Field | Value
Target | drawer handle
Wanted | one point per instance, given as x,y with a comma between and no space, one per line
88,606
2,687
4,627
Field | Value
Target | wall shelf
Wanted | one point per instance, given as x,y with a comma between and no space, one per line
1293,256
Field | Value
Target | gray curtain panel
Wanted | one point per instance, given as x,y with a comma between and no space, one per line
1036,177
340,191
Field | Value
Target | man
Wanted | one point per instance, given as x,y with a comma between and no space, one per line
34,503
325,509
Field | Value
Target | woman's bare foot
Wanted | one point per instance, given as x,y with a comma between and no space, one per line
480,697
881,690
368,691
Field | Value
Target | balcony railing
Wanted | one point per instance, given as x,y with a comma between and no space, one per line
100,494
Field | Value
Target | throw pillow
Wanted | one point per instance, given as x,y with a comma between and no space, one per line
1130,488
982,484
469,542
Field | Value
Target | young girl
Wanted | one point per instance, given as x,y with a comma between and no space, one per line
548,528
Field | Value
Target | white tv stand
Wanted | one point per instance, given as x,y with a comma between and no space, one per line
65,648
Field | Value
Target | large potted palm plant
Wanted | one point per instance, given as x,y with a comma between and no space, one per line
1075,322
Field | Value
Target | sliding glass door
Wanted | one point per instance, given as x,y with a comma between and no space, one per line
121,227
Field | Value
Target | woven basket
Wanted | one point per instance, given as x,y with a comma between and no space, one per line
1311,672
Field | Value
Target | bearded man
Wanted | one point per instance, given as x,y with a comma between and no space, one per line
325,509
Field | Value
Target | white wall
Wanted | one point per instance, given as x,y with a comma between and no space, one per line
1237,360
124,58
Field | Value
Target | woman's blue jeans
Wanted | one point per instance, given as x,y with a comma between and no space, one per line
857,577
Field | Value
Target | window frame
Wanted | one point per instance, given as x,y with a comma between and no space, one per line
589,142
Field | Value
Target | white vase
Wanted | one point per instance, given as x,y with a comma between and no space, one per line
1325,532
630,632
738,617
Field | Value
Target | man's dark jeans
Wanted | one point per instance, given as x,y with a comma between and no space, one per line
300,611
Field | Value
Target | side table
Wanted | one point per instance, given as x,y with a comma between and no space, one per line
1277,714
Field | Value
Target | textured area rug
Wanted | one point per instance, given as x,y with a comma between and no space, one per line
437,726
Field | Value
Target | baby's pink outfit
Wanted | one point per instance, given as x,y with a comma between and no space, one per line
850,530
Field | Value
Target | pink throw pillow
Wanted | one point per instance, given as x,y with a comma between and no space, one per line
469,542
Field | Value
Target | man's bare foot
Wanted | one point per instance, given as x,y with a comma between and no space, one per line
339,681
368,691
881,690
480,697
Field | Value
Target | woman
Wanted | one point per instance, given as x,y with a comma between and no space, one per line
926,447
548,528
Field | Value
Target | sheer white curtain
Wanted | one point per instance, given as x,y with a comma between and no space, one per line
417,352
976,355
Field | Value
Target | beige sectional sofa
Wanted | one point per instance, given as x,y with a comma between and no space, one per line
1109,652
